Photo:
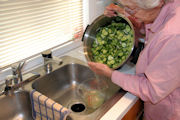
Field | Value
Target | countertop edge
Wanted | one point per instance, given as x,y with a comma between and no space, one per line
118,110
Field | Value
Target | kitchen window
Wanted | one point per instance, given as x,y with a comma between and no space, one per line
28,27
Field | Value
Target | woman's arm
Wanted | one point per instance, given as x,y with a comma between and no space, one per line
161,76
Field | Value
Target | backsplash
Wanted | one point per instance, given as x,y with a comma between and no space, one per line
38,60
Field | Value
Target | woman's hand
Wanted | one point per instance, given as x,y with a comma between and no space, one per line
100,69
112,9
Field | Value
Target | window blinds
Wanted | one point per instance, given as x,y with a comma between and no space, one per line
28,27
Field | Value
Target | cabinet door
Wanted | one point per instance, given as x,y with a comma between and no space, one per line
135,112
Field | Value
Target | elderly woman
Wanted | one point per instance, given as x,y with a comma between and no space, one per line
157,78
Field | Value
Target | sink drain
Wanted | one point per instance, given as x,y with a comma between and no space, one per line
78,107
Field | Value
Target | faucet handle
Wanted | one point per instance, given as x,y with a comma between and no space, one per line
17,66
16,70
21,64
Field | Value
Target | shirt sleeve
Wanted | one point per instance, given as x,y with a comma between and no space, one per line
161,76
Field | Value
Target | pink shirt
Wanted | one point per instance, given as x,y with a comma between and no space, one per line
157,79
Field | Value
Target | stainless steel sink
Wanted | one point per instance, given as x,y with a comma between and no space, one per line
61,85
16,107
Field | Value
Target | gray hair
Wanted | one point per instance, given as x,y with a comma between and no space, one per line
145,4
148,4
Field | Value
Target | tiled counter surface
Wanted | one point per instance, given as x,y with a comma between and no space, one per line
125,103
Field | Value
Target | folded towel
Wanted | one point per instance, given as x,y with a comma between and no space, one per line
45,108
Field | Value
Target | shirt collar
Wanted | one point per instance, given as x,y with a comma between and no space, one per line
156,25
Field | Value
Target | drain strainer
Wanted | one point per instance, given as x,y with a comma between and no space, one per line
78,107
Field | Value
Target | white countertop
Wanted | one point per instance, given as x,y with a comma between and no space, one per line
125,103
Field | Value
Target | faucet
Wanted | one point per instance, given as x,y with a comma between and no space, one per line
49,59
16,71
8,85
13,81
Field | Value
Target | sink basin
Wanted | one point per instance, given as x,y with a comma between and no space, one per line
62,84
16,106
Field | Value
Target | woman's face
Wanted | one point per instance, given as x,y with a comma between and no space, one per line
144,15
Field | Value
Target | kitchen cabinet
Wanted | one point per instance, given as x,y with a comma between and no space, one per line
135,112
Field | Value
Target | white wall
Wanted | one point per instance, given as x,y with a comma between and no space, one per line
96,8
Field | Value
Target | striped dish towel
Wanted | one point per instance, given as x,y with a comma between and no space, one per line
45,108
